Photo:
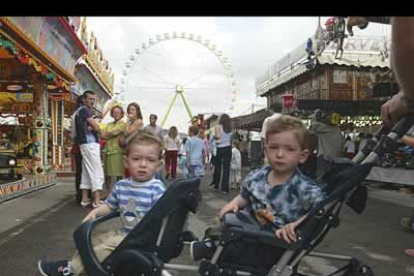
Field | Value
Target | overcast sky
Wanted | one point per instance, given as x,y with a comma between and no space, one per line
251,44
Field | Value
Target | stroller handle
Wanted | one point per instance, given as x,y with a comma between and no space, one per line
359,157
388,143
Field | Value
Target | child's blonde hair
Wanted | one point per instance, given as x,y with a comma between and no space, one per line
143,137
289,123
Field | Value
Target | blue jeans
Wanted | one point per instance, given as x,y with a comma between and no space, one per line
196,171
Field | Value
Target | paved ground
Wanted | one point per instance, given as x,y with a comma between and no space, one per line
41,224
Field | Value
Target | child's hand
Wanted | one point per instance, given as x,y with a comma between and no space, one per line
287,232
228,208
90,216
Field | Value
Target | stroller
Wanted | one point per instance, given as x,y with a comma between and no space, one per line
159,236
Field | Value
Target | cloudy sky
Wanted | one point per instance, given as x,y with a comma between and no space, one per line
251,44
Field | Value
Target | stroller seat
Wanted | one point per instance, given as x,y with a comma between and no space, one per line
156,239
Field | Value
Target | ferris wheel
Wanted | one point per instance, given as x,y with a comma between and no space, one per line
190,79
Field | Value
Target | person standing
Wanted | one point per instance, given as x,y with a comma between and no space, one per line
330,142
114,155
223,136
153,127
349,148
172,145
206,146
235,167
76,151
87,130
134,122
213,154
195,154
183,158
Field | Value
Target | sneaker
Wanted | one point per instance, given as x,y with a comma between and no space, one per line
59,268
85,204
202,249
97,205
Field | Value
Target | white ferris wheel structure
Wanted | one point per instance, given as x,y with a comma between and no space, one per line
181,89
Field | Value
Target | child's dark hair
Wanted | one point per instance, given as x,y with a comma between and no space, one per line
143,137
289,123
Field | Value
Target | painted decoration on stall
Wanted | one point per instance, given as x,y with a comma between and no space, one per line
28,60
57,131
50,34
26,184
88,82
24,97
10,97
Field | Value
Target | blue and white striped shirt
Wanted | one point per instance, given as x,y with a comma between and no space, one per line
134,199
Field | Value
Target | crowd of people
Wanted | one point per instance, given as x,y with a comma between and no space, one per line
192,154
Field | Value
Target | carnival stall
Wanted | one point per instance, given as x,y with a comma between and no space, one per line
37,60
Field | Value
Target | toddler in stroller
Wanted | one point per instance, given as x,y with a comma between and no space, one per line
278,195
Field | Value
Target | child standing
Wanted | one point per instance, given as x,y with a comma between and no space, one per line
278,194
235,167
206,146
133,196
183,158
195,154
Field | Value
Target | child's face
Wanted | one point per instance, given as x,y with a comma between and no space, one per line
284,152
142,161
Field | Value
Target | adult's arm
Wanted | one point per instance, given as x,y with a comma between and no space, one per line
402,57
217,132
91,121
136,125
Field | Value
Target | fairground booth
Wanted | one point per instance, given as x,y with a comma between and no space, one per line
351,89
37,64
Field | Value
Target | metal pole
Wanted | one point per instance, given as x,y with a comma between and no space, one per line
168,110
187,107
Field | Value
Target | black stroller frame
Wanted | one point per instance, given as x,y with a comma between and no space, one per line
160,236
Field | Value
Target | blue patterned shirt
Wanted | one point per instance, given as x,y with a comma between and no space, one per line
286,202
134,199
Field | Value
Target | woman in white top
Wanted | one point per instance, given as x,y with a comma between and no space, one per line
223,136
172,145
